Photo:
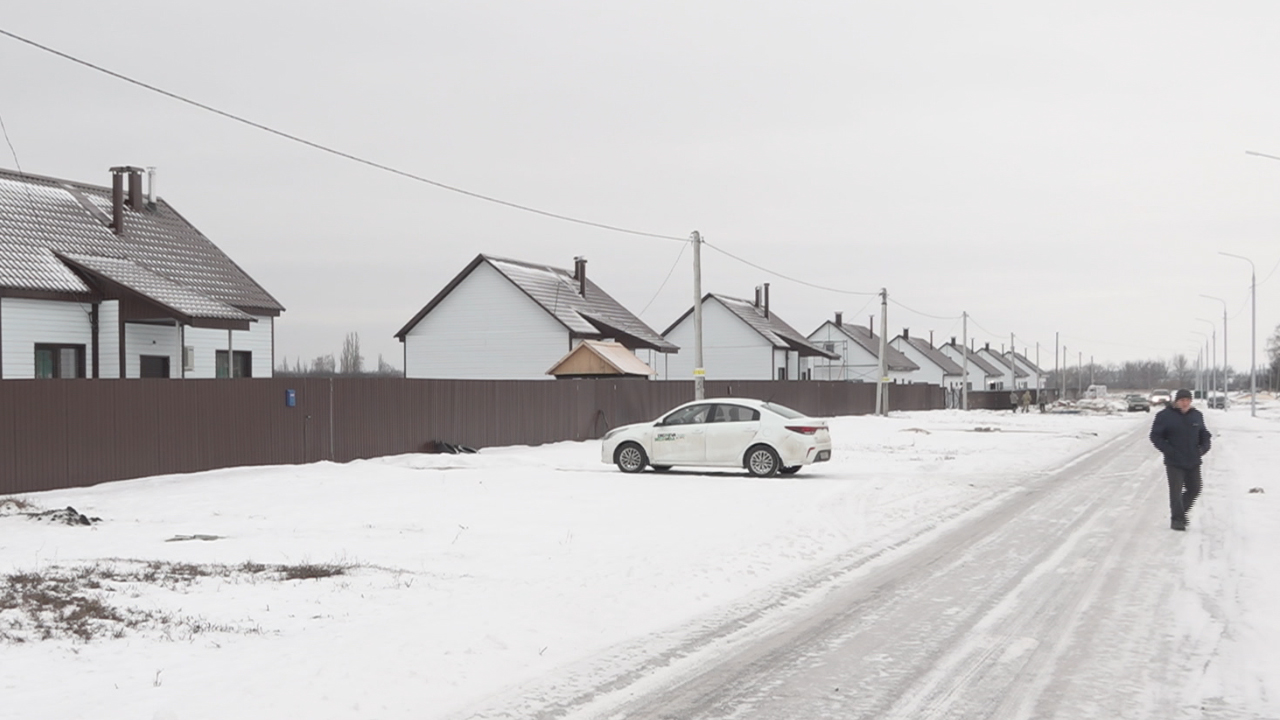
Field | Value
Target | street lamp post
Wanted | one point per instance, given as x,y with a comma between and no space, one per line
1213,355
1253,333
1226,364
1201,361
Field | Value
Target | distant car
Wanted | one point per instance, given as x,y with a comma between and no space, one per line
763,437
1137,402
1160,397
1216,400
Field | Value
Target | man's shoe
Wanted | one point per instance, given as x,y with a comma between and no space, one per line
1178,525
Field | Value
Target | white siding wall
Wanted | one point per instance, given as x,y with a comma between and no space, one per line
998,362
731,350
25,322
928,372
108,339
855,363
207,342
151,340
977,378
485,329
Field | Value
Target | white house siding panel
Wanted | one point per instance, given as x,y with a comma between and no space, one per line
109,339
928,372
25,322
855,364
1006,375
977,377
486,328
140,339
206,342
731,349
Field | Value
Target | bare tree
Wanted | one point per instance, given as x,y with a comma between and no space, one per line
351,362
386,368
323,365
1180,370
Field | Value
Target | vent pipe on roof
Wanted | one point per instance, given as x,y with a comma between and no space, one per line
117,200
758,292
766,299
839,319
930,338
151,188
580,274
871,325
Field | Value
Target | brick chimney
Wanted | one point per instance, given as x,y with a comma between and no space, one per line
766,299
839,319
906,333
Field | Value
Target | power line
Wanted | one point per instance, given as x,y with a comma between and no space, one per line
339,153
664,280
917,312
775,273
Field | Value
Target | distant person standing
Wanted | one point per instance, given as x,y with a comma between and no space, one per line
1180,435
1026,401
1013,400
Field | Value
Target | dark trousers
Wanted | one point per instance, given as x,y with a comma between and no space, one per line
1184,488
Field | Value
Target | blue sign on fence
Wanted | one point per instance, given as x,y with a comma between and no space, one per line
290,398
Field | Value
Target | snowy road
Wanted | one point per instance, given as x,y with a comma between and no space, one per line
1054,602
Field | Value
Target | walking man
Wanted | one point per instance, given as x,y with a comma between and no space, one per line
1180,435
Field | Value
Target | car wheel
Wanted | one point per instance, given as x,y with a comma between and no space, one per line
789,470
762,461
661,468
630,458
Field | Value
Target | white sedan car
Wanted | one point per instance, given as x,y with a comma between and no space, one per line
763,437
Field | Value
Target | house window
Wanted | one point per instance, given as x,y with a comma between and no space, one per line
782,373
241,361
59,361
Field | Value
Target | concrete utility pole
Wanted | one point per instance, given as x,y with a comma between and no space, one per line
882,390
964,382
1013,366
699,374
1056,370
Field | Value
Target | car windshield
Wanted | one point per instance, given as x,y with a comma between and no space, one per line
785,412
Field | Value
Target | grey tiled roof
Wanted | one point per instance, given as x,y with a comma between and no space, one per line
1003,361
974,359
41,217
869,341
777,332
1023,359
936,356
593,315
157,288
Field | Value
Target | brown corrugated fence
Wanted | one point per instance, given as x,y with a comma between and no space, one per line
73,433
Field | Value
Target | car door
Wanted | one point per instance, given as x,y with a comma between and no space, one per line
731,431
681,437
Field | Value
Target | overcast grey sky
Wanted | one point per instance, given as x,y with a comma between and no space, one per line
1046,167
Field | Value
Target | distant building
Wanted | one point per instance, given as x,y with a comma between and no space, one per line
1009,371
104,282
741,340
503,319
934,365
982,375
857,350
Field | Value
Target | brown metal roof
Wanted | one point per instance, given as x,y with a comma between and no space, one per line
591,315
43,217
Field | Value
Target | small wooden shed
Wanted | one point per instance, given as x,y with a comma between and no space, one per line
600,358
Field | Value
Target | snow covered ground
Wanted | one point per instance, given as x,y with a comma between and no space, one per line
420,586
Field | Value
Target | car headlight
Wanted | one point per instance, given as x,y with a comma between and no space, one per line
611,433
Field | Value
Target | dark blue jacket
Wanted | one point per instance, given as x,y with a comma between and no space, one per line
1181,437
